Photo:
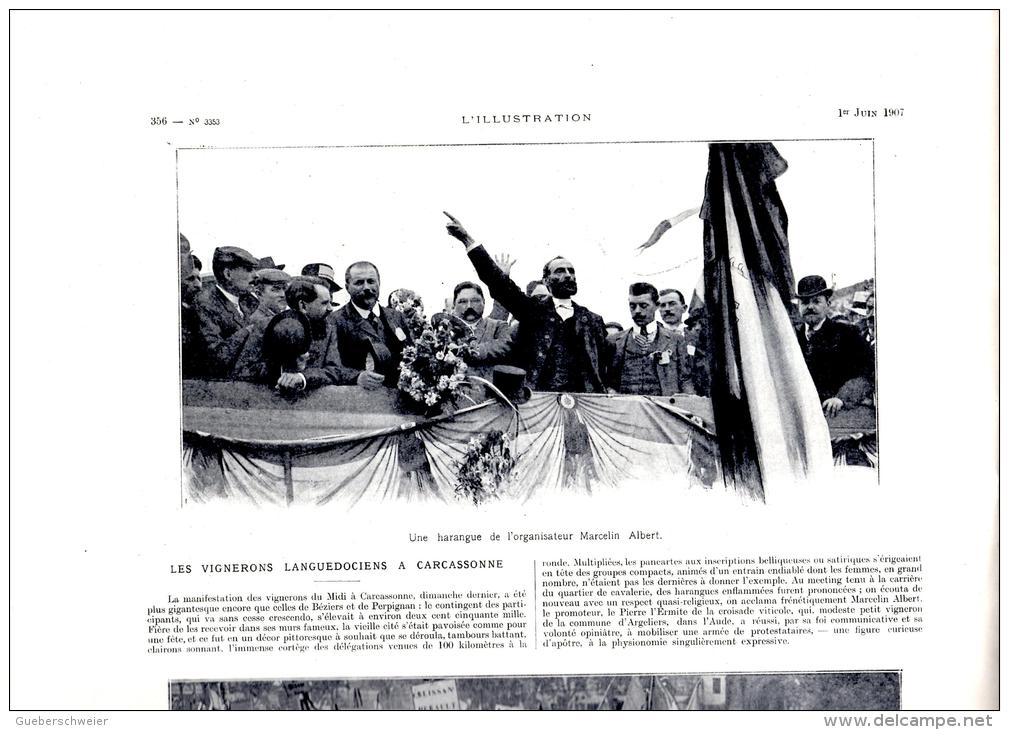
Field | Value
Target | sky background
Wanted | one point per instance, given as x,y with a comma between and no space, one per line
593,203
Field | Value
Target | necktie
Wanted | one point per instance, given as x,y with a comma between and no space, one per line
641,337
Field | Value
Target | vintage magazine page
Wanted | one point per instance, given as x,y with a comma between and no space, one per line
495,360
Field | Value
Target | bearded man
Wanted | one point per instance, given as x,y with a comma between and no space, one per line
560,344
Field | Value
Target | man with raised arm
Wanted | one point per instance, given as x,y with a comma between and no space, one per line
560,344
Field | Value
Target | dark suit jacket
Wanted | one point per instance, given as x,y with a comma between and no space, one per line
221,332
840,361
323,367
540,325
674,377
357,338
190,324
249,363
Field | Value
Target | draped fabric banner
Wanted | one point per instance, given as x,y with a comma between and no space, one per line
344,445
771,429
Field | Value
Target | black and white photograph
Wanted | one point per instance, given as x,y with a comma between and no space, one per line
580,317
504,360
824,691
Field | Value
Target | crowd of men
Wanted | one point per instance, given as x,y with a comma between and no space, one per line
256,322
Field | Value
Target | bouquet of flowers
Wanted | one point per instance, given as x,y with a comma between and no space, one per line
410,305
432,369
486,466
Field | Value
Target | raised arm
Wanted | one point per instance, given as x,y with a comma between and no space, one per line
499,284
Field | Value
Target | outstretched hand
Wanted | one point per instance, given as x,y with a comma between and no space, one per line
456,230
504,262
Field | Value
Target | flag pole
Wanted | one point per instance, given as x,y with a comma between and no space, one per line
606,692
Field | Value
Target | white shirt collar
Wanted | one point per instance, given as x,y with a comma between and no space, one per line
652,328
811,330
231,298
564,308
364,312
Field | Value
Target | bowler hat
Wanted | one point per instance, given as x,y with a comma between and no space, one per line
511,382
813,286
234,256
323,271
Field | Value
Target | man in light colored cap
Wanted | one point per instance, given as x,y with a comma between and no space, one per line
221,319
269,286
249,301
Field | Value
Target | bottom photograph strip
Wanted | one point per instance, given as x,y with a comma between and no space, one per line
824,691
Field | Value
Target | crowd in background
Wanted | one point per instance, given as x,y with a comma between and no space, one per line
249,319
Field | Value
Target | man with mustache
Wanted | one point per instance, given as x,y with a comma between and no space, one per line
671,309
839,360
648,358
560,344
371,337
303,320
492,339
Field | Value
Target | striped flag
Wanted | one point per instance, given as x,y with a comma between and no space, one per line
770,427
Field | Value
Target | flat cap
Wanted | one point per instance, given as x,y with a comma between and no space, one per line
271,276
234,256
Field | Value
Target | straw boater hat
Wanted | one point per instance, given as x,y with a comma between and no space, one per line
323,271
